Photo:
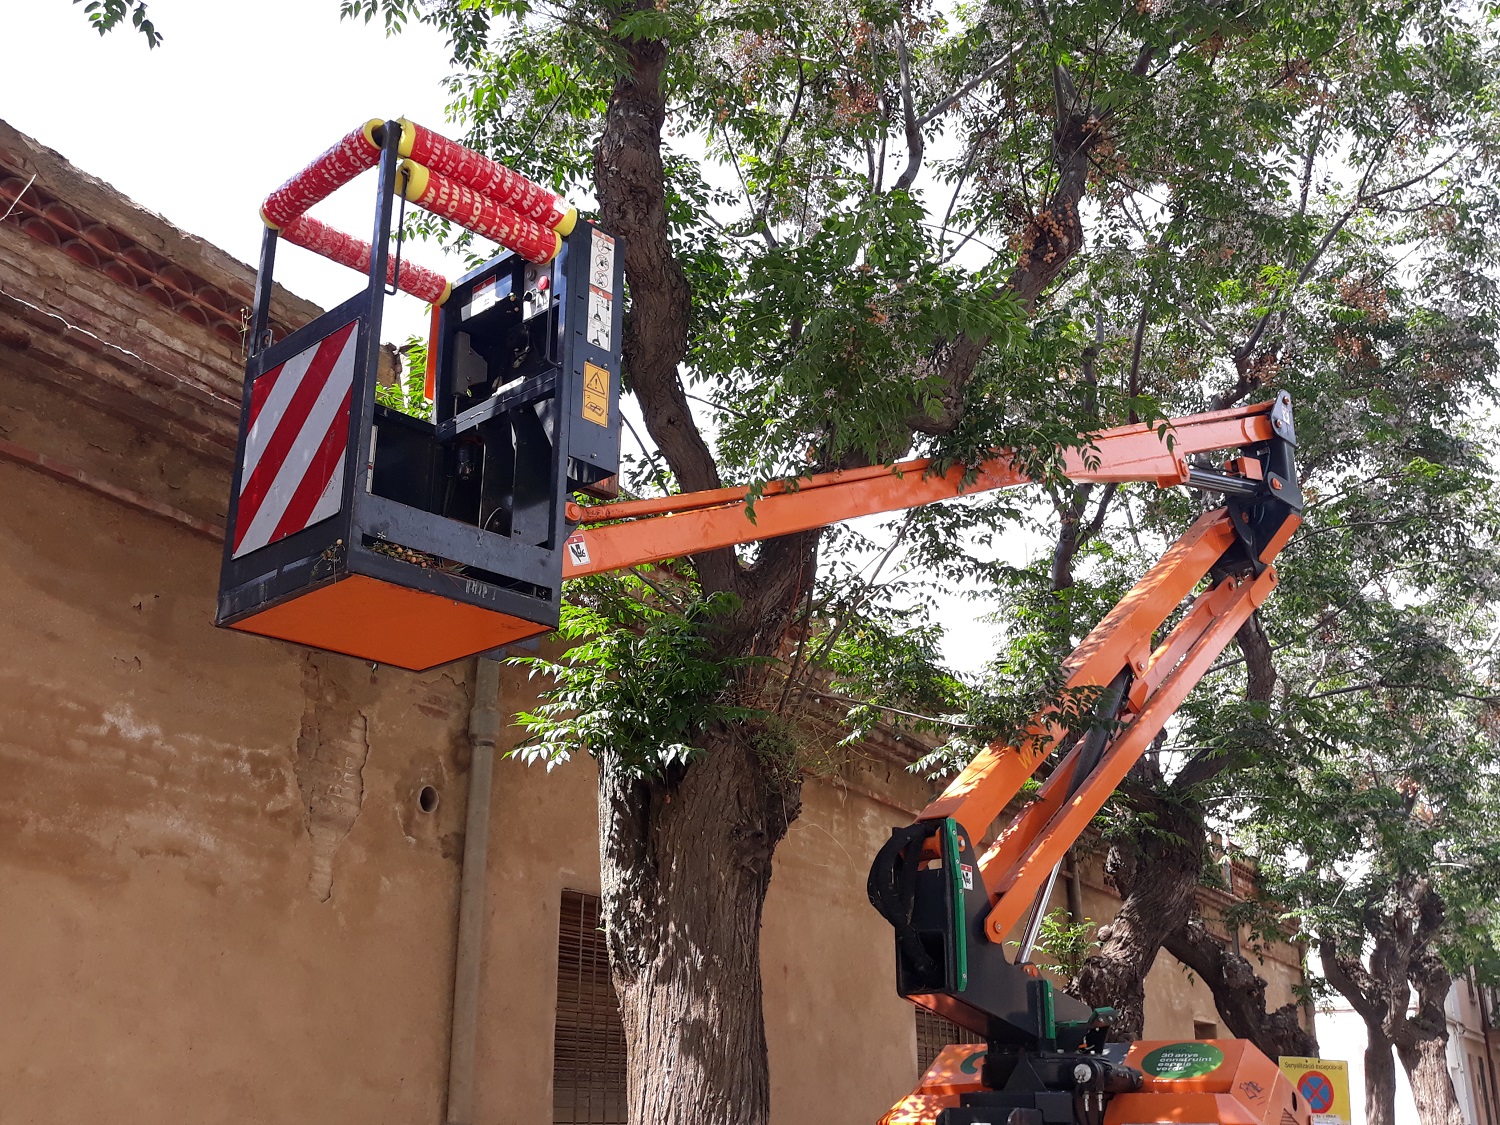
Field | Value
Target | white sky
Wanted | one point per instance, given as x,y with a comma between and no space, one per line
238,97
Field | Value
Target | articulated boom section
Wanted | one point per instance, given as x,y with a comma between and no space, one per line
631,532
1046,1058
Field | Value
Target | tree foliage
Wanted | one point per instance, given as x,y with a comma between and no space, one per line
638,679
106,15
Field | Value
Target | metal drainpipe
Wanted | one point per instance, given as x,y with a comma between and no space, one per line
1075,890
484,729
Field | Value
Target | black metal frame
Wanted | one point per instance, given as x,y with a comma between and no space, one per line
515,573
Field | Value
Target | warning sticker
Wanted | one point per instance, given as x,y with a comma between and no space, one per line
595,407
578,550
485,297
601,316
602,263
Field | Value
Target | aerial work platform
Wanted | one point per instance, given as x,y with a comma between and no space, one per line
360,529
414,542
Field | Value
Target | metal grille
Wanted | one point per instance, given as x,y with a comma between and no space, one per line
588,1044
934,1033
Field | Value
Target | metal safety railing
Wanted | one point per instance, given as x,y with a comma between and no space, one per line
444,178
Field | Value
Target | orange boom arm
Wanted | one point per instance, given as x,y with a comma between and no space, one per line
1261,488
631,532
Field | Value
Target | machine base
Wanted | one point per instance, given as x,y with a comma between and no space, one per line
1223,1081
388,624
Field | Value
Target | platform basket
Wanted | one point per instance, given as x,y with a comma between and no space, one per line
358,529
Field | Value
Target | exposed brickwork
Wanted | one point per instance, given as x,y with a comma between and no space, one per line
85,277
122,259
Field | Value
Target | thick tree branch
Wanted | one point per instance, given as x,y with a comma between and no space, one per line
1133,381
1240,992
913,128
1096,524
1352,982
968,87
1051,240
1070,515
632,202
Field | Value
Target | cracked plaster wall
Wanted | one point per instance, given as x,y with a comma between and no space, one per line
219,901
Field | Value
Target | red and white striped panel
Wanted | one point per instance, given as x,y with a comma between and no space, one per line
293,472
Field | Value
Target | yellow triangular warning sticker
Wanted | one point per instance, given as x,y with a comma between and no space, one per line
595,404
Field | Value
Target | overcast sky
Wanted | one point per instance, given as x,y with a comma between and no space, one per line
237,97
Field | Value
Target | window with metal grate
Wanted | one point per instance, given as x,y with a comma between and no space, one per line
934,1033
588,1044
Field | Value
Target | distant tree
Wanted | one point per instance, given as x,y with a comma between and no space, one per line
1379,811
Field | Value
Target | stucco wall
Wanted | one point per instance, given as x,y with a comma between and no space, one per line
842,1043
168,832
164,844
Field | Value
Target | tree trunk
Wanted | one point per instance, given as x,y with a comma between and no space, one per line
1240,993
1422,1043
1402,960
1379,995
686,863
1426,1063
1156,872
1380,1078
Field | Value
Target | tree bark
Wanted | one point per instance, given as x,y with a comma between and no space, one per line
1240,993
1378,1000
1422,1043
631,182
1157,874
1426,1063
686,863
1380,1078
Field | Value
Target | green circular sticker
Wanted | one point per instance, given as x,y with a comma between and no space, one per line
1183,1060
